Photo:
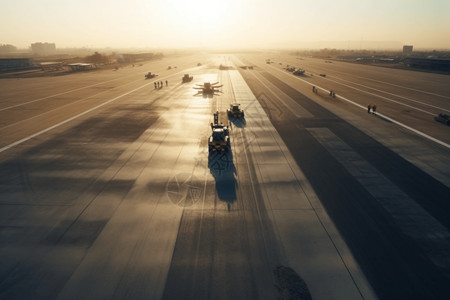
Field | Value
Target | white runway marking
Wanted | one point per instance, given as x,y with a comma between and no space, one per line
69,119
77,116
381,115
55,95
396,85
388,99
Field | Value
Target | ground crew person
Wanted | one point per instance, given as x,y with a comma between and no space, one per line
368,108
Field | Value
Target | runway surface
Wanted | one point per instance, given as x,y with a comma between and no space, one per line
107,189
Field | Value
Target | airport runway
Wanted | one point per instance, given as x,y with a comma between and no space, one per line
108,192
329,150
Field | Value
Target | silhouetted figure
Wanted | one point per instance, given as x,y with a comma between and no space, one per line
368,108
167,83
155,84
374,109
314,89
162,84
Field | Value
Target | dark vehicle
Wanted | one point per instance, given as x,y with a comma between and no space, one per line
187,78
235,111
443,118
149,75
220,138
299,72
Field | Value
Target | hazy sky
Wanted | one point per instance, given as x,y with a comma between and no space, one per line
224,23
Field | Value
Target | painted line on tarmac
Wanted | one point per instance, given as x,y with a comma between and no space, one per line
59,94
80,115
378,114
400,124
396,85
388,99
392,94
70,119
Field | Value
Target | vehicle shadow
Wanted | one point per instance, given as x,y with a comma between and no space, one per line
222,168
238,122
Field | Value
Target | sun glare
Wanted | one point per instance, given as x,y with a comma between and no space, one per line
202,16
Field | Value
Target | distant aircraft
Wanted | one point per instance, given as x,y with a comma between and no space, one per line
208,89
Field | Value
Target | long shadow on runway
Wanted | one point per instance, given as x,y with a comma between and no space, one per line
238,122
223,170
46,189
224,253
394,264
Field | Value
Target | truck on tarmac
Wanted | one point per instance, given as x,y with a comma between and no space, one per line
150,75
220,136
187,78
235,111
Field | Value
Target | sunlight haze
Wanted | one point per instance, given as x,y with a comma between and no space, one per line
224,24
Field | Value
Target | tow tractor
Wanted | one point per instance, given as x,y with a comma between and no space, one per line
220,138
187,78
235,111
443,118
149,75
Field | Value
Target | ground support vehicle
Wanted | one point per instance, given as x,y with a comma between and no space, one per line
187,78
220,136
235,111
443,118
149,75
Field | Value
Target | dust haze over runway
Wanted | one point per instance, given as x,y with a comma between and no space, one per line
107,189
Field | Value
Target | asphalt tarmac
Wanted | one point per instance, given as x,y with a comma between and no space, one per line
108,191
367,223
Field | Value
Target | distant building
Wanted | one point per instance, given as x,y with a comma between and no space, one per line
82,67
43,48
9,64
431,64
407,49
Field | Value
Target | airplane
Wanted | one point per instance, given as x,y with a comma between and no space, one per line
208,89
